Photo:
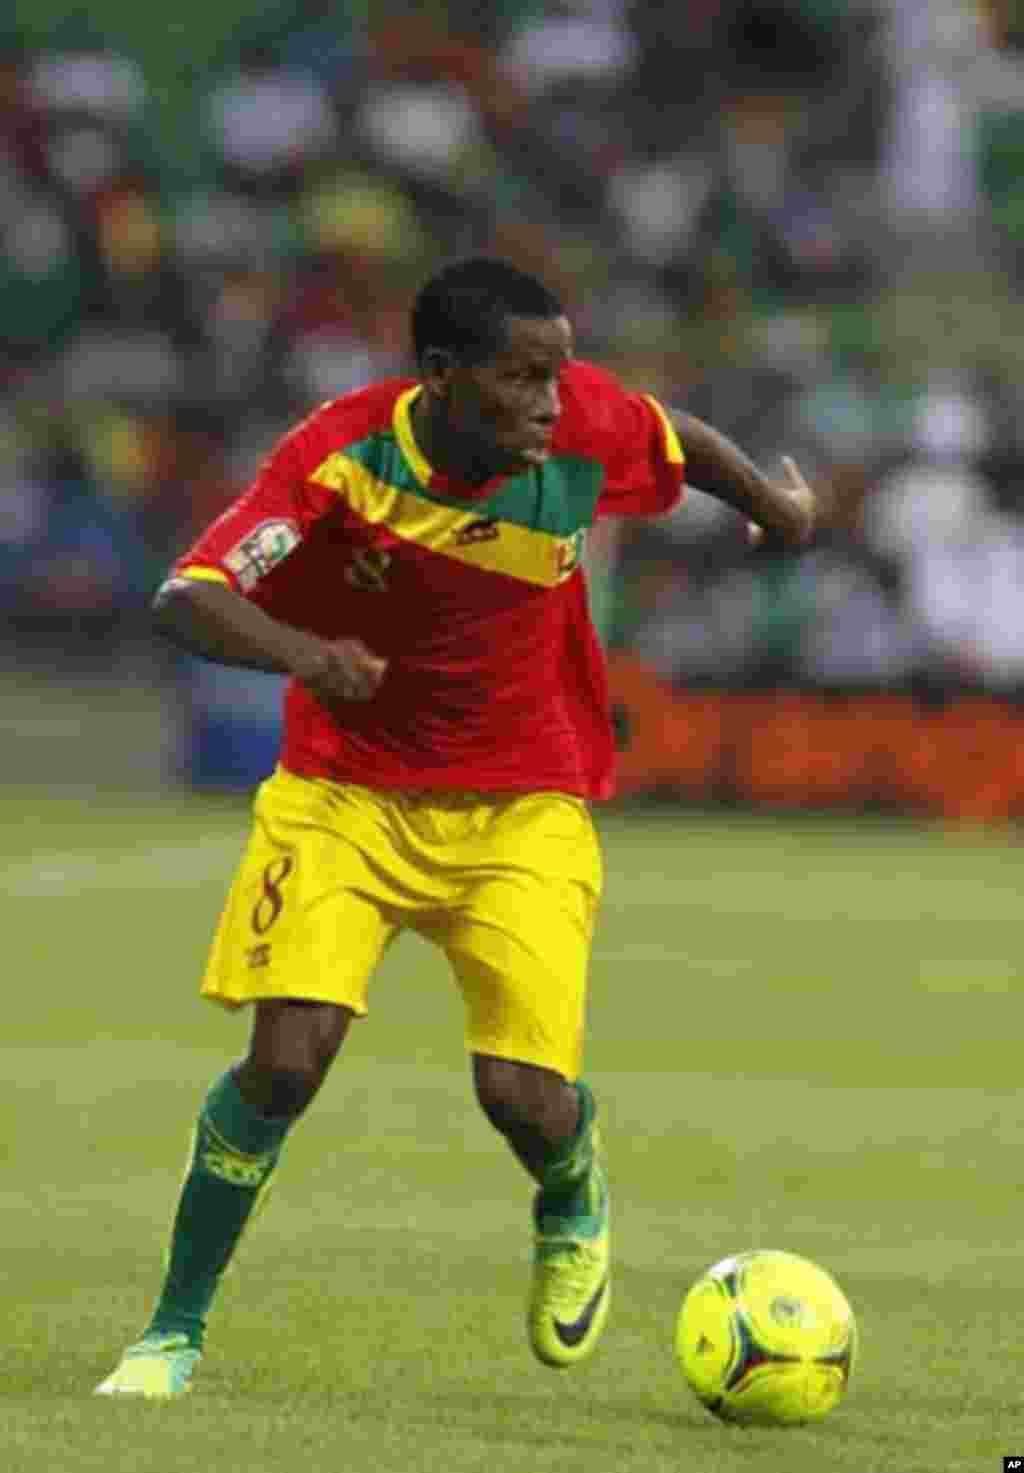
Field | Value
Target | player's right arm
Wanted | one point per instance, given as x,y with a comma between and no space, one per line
212,620
216,602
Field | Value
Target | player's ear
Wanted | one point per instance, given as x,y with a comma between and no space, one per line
436,368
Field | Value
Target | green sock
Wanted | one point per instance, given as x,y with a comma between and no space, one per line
564,1186
234,1151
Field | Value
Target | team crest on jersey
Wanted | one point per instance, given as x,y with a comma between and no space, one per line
368,570
260,551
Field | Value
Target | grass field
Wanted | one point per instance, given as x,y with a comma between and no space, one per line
805,1034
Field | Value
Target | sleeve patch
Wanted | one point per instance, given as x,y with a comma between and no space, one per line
260,551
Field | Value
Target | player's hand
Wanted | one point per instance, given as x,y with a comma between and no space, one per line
803,503
342,671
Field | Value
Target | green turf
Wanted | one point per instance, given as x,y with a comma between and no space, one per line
805,1035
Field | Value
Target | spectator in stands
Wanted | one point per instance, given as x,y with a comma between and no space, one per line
24,126
80,571
268,124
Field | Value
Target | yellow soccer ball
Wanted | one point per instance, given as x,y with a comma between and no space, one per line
767,1338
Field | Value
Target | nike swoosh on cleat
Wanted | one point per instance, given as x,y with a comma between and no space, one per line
574,1332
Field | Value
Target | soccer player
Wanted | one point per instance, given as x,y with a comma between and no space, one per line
410,556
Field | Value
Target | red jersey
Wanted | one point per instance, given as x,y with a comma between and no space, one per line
475,596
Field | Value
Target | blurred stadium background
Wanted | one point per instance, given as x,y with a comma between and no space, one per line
803,220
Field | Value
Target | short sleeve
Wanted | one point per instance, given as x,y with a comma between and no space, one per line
265,525
643,460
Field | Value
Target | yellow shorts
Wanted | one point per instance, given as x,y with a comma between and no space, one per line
506,885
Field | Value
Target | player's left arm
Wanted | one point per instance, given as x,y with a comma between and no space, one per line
785,509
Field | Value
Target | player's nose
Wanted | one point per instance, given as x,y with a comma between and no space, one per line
548,406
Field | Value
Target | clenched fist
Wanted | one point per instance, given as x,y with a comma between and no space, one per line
340,671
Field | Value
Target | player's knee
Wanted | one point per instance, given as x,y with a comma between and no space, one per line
292,1047
330,1036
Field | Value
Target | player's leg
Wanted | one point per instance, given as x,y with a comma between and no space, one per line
236,1144
239,1134
571,1286
299,938
520,949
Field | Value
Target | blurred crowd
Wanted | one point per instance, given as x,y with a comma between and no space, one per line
802,220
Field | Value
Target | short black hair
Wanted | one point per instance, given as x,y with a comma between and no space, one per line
463,307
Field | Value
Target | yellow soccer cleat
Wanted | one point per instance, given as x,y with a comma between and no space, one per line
571,1279
158,1367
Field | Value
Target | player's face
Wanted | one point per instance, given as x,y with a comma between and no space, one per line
502,412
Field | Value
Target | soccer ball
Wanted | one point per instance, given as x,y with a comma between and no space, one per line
766,1337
